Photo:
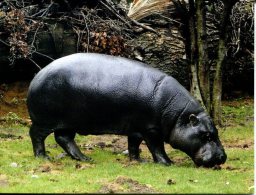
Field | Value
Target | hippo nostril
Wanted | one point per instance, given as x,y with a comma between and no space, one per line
223,158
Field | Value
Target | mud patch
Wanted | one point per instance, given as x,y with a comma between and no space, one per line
13,99
241,145
81,166
116,143
246,101
126,184
236,169
9,136
48,168
3,181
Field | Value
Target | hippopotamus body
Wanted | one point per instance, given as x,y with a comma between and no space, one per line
100,94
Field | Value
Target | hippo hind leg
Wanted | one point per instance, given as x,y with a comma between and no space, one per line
65,139
134,141
38,136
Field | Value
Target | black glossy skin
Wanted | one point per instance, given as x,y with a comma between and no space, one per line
101,94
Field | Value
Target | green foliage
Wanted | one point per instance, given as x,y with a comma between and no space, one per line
12,118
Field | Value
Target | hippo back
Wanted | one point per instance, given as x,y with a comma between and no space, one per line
94,90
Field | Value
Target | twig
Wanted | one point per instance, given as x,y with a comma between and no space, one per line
144,26
34,15
169,19
34,38
35,63
88,33
47,9
4,43
77,31
88,38
41,54
134,21
116,14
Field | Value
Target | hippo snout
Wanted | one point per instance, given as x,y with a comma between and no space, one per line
222,157
207,157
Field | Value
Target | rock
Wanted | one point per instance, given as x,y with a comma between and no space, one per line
14,164
34,176
171,181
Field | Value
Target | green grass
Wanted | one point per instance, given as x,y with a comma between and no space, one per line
111,172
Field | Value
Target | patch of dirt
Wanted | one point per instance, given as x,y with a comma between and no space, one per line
81,166
241,145
238,103
3,181
49,168
116,143
231,168
9,136
126,184
13,99
180,160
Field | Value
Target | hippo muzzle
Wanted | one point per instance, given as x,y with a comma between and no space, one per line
210,155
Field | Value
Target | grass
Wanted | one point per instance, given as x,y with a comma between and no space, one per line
112,172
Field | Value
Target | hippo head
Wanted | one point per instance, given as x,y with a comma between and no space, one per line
197,136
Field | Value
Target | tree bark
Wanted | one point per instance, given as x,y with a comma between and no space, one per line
217,84
221,54
193,54
203,65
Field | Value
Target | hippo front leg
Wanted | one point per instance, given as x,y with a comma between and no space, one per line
155,145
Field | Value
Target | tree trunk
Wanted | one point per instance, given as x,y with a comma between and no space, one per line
203,65
217,82
193,55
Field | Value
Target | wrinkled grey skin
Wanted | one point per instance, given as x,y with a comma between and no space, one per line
101,94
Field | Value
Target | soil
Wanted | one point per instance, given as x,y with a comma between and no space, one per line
246,101
13,99
3,181
125,184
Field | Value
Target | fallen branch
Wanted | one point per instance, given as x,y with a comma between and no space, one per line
144,26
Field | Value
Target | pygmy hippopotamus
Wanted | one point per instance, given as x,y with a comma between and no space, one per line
88,93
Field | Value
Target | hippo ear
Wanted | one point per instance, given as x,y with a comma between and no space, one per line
193,119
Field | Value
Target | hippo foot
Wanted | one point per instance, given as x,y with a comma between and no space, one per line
83,158
62,155
44,156
140,160
166,162
134,157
